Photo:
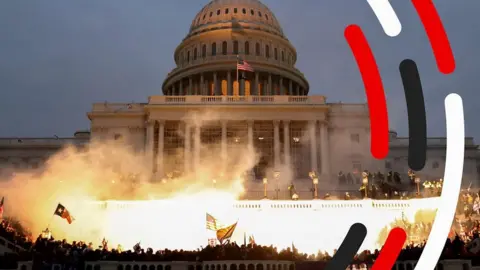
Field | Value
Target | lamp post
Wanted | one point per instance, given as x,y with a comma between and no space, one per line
365,182
276,175
315,183
417,182
265,182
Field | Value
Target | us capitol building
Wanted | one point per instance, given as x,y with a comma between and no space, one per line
269,109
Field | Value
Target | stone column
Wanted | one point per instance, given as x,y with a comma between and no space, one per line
276,143
229,83
250,135
297,92
215,85
197,147
256,91
313,146
281,86
187,147
265,88
286,142
224,141
325,153
290,88
149,144
180,91
161,139
202,86
190,86
270,87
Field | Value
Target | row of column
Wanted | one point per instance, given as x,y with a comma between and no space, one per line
293,89
313,126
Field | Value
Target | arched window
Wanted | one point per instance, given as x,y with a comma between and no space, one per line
247,88
266,16
235,47
211,13
236,89
259,14
204,51
214,49
244,11
218,12
224,48
267,51
252,12
195,52
257,49
235,10
224,87
247,48
283,56
226,11
275,53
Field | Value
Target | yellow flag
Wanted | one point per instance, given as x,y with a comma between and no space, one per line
226,233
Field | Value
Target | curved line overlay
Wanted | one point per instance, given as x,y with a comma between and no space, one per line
349,247
436,34
390,250
451,188
386,16
374,89
417,120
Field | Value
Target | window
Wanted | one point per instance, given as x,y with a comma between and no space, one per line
235,10
355,138
214,49
204,15
224,48
252,12
195,52
218,12
259,14
247,48
357,166
435,165
275,53
388,165
283,56
188,57
211,13
181,58
257,49
204,51
266,17
244,11
235,47
226,11
267,51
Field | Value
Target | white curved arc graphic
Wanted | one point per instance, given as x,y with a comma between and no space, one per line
386,16
451,186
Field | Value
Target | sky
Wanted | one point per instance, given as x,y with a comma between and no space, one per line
58,57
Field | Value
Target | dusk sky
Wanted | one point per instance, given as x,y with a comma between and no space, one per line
58,57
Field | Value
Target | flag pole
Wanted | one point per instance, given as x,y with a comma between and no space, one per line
51,219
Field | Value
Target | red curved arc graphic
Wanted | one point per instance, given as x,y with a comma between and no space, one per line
391,249
374,90
436,34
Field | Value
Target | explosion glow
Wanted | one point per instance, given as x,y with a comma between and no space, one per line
171,213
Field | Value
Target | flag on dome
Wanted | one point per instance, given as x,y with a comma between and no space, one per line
243,65
62,212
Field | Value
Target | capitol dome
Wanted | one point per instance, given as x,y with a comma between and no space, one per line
220,34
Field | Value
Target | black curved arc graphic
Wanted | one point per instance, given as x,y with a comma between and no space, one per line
417,119
349,247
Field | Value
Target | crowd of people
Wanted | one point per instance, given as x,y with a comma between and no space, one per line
463,243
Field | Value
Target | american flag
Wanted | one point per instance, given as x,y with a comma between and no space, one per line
243,65
211,223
